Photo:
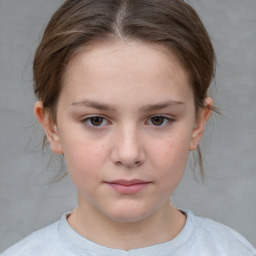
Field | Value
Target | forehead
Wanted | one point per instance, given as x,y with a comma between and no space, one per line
128,69
101,52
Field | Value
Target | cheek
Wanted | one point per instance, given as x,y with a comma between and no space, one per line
170,158
84,159
173,151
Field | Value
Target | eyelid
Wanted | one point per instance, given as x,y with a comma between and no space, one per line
170,120
87,118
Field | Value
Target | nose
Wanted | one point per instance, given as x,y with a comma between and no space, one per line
128,148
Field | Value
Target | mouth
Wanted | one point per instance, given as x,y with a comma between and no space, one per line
128,186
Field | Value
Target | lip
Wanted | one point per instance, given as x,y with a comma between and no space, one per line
128,186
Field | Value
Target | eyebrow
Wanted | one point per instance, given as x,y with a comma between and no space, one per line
147,108
92,104
162,105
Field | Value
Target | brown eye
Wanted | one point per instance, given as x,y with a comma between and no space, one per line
158,120
96,121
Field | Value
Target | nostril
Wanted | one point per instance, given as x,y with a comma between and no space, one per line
118,163
129,165
137,163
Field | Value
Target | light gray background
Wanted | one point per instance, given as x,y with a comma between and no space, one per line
28,202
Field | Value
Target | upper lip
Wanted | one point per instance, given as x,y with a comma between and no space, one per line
127,182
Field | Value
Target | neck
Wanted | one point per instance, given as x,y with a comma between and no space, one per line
160,227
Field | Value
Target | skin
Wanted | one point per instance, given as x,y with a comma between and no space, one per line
146,127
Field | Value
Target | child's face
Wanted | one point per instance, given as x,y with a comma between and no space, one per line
125,116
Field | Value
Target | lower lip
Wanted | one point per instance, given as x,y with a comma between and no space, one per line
128,189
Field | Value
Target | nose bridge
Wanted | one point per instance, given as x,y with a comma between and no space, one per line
128,149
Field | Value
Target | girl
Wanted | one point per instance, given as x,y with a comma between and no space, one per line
122,94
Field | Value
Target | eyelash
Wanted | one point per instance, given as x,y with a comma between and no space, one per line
167,121
88,121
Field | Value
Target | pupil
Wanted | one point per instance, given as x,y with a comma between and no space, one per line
157,120
96,121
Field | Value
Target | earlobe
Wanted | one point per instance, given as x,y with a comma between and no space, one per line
49,127
202,118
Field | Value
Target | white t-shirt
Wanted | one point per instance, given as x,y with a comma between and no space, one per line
199,237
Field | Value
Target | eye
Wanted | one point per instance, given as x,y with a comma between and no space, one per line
159,121
95,121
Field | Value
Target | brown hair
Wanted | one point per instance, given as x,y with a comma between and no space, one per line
171,23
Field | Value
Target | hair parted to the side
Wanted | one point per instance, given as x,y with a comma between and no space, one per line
77,23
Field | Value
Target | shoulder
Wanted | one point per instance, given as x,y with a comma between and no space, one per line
42,242
220,238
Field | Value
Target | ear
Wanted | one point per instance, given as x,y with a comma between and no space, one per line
202,118
49,126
